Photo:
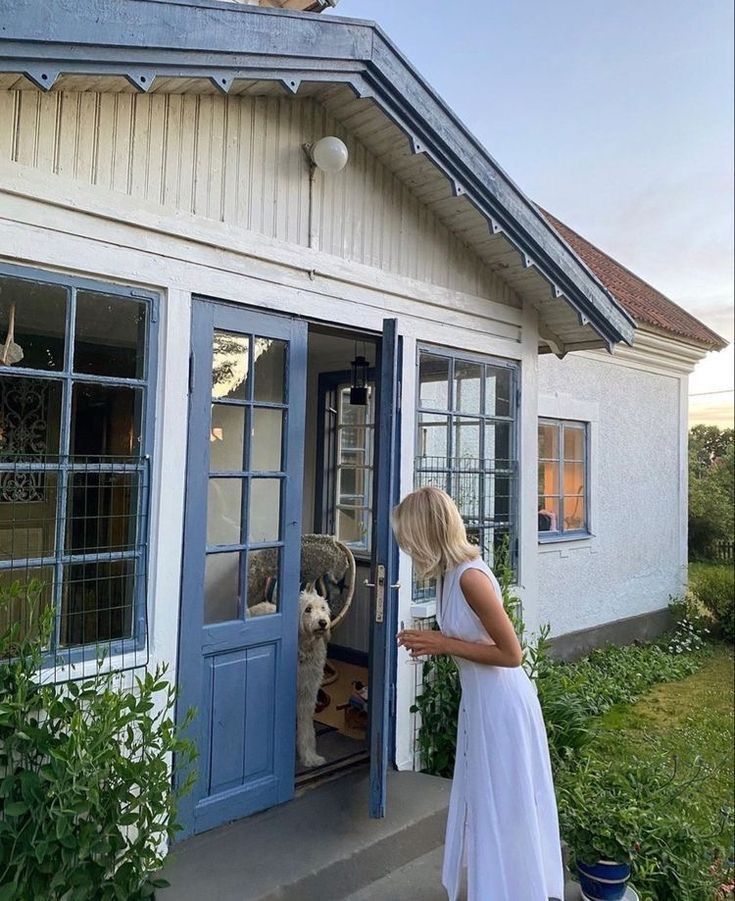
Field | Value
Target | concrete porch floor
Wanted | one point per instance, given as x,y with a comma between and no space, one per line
322,846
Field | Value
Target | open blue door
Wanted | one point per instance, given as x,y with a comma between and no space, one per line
384,568
239,607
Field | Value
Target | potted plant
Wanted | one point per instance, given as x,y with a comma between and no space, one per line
636,814
600,819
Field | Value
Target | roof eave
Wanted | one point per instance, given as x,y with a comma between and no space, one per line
223,43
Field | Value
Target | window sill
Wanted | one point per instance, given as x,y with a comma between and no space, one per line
564,538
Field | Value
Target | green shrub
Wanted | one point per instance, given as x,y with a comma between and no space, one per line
86,801
632,812
714,586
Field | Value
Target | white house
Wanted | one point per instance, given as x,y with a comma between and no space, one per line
184,286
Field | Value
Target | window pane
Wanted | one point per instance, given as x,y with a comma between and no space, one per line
355,414
497,443
549,519
498,505
433,382
498,390
97,602
352,458
24,595
354,437
574,513
27,514
230,357
574,442
467,381
548,478
265,510
110,333
224,511
466,437
106,421
227,439
432,437
40,323
466,492
353,526
270,371
267,440
263,573
548,441
574,479
102,512
30,416
352,485
221,587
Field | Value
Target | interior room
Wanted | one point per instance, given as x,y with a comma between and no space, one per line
338,492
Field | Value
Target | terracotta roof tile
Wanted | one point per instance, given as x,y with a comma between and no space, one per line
641,300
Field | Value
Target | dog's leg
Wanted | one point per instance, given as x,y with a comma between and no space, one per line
310,676
306,735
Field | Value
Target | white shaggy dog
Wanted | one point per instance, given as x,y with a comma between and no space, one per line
314,624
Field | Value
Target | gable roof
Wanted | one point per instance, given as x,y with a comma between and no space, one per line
206,45
644,302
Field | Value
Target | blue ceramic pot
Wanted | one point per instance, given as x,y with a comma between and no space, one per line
604,880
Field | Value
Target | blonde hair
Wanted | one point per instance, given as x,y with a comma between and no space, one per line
428,526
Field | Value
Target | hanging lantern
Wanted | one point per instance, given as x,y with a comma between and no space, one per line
359,383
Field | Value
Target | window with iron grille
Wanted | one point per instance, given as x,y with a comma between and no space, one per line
75,436
466,441
563,479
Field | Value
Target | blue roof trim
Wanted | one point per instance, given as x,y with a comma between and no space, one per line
223,42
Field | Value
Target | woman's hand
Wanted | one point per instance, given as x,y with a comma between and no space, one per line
422,642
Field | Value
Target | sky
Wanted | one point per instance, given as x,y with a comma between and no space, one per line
616,117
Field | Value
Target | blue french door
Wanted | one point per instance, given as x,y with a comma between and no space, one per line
239,606
384,569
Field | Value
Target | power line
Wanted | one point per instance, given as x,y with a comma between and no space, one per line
706,393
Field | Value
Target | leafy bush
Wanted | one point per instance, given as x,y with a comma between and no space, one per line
438,705
86,800
711,488
573,695
631,813
714,586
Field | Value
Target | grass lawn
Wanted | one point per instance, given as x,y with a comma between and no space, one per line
687,718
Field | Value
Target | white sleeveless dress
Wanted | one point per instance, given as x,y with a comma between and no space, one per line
503,823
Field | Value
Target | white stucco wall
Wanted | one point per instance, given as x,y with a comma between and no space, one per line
634,561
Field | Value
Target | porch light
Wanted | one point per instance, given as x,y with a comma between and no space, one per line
329,154
358,384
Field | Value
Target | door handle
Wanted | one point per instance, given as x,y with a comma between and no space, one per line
379,586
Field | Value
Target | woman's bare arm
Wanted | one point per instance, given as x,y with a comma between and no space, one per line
482,598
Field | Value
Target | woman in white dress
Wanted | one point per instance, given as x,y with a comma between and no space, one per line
503,825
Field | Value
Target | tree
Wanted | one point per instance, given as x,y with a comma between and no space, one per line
711,487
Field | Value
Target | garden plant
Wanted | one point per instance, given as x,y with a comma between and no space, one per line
86,799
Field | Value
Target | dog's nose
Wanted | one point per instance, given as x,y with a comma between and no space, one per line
322,624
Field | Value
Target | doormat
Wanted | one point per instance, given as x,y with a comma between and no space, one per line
336,747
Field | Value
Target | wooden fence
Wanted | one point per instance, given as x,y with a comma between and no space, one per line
722,550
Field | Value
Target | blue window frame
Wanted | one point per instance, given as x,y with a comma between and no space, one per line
563,479
77,361
467,443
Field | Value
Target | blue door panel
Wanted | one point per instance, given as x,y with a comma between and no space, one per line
384,567
259,712
228,678
240,674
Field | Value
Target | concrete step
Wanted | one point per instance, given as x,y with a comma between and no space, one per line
322,846
420,880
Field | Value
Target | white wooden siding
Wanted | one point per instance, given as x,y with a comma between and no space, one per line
239,160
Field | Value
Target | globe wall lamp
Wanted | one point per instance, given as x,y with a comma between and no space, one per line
329,155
